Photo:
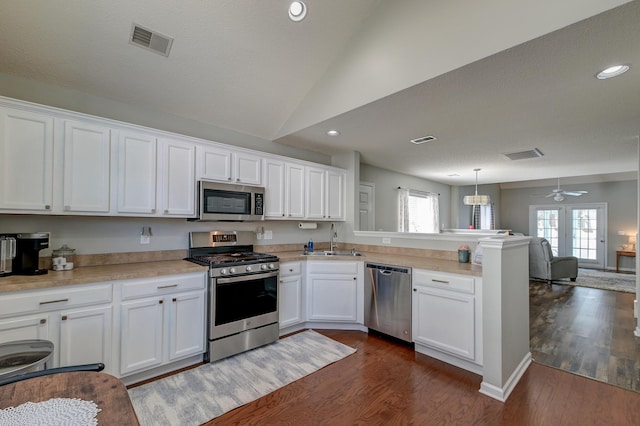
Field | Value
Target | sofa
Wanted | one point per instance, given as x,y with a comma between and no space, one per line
544,265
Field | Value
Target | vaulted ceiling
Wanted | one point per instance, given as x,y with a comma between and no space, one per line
485,78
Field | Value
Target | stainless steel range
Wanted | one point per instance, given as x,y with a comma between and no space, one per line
242,293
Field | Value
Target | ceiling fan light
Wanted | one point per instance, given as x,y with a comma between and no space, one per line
476,200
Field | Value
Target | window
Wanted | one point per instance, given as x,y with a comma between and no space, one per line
418,211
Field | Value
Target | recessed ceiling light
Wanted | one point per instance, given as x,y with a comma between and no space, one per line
297,11
612,72
333,133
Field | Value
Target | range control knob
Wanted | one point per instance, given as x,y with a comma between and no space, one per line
264,266
232,270
272,266
249,268
223,271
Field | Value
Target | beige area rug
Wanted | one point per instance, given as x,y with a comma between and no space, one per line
603,280
203,393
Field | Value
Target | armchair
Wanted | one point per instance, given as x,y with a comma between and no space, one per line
543,265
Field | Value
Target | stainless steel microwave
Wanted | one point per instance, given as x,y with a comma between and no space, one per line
229,202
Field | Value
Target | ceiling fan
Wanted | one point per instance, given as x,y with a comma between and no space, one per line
558,194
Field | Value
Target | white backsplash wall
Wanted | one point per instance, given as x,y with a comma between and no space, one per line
96,235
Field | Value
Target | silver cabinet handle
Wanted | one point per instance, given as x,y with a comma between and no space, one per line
54,301
167,286
440,281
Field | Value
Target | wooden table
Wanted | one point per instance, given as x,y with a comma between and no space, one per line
623,253
108,393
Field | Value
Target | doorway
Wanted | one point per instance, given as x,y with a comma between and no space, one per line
367,206
573,230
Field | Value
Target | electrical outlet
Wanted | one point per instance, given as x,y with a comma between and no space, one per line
268,235
386,241
145,239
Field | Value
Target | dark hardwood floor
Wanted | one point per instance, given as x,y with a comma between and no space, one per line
387,383
585,331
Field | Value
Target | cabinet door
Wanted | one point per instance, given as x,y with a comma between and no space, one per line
186,324
294,190
274,188
176,189
86,168
444,320
85,337
214,163
141,329
332,297
290,300
316,193
24,328
247,169
26,160
335,194
137,173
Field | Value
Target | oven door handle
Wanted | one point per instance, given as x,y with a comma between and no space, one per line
250,277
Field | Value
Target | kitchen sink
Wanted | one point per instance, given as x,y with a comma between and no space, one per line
334,253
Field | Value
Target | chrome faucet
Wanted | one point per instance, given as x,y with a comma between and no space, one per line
334,236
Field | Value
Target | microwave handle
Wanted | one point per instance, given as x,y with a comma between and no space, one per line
12,247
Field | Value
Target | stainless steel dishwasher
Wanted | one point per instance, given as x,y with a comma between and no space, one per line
387,300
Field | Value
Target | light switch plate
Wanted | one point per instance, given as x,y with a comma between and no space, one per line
386,241
145,239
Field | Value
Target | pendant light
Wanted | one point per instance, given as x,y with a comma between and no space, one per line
476,200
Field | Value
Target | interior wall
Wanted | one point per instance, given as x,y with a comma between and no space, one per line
621,198
94,235
387,183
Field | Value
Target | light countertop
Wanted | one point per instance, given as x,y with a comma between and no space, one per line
127,271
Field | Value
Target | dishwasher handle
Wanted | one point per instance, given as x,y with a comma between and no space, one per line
387,269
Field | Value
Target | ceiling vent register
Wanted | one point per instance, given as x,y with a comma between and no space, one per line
150,40
423,139
523,155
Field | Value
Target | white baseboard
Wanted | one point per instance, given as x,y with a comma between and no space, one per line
501,394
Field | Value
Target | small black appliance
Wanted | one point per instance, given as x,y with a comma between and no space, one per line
28,248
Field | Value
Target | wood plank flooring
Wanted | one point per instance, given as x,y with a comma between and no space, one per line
585,331
387,383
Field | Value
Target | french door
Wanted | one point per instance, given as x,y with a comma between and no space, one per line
573,230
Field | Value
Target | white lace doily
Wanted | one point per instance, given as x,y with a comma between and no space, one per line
54,412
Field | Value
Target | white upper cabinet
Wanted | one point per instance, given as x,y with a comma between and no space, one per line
86,168
274,187
177,177
316,188
214,163
136,173
225,165
335,198
294,191
284,189
26,161
325,190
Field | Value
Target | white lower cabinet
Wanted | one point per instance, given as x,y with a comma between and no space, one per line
447,317
85,336
290,294
161,320
77,319
332,291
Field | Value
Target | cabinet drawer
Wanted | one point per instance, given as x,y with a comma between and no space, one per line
47,300
161,285
290,268
446,281
332,267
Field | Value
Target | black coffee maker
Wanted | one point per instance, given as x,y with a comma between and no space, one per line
28,248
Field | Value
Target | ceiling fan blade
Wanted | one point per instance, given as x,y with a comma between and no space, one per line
550,195
575,193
